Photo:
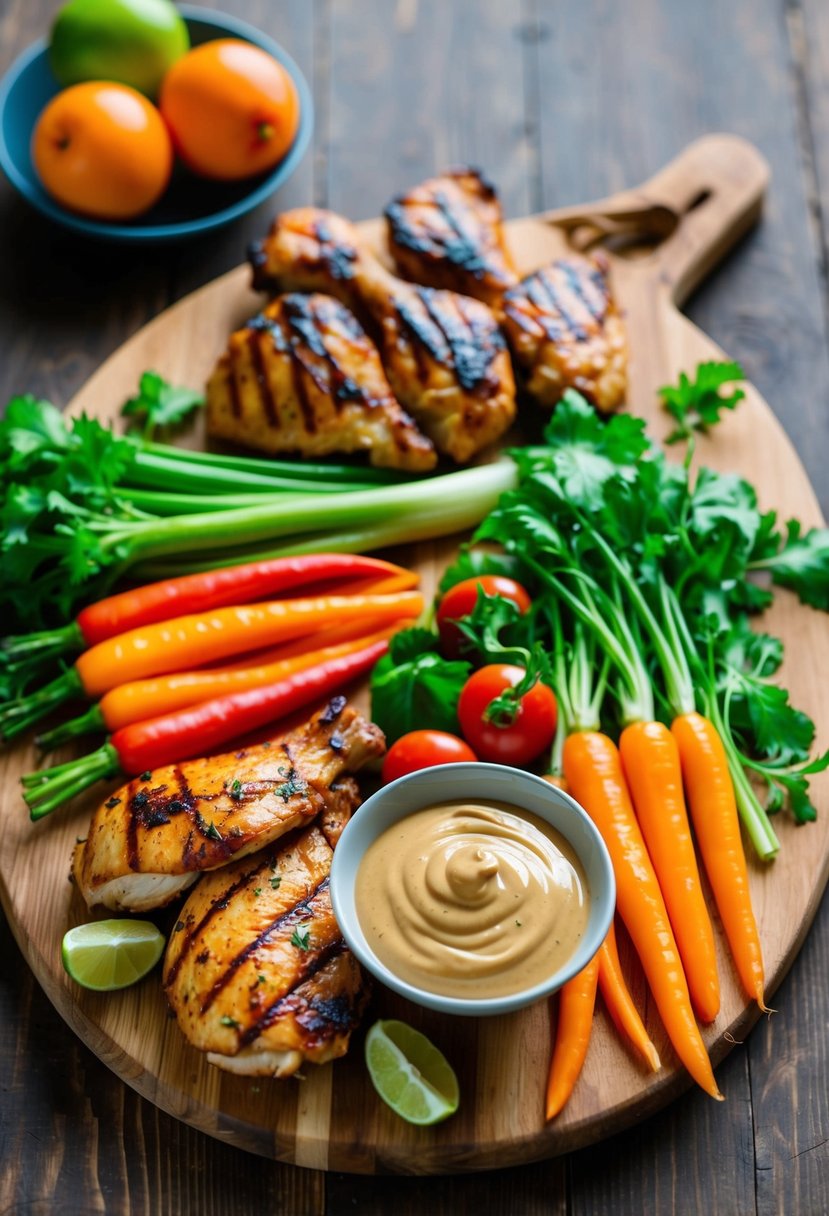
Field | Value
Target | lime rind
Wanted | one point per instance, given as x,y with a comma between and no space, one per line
105,956
422,1093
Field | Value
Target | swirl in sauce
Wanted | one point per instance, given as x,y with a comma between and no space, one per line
472,900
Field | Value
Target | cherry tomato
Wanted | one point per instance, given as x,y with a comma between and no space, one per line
423,749
532,730
460,600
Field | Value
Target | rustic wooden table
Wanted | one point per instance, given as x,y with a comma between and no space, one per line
560,101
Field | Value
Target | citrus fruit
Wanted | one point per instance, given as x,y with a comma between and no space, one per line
410,1074
109,954
103,150
133,42
233,111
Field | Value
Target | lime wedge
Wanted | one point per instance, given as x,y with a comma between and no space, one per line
110,954
410,1074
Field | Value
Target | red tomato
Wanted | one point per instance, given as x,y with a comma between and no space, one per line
532,730
460,600
423,749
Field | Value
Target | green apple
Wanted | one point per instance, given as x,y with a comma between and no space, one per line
131,41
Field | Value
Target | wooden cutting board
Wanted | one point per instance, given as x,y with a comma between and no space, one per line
686,218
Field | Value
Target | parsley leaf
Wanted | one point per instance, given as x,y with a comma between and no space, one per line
226,1020
801,563
583,450
413,686
696,404
159,404
301,937
276,881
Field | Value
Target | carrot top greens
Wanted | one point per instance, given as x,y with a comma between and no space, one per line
648,569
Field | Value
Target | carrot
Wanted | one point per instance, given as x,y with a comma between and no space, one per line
619,1002
161,601
576,1003
593,770
650,761
194,731
138,700
716,822
195,640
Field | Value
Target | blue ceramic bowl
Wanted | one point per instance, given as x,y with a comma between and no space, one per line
191,205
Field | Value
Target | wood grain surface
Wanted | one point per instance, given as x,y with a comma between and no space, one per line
559,102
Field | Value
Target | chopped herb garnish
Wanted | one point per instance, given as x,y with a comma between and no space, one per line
236,790
112,802
80,840
179,926
261,979
226,1020
257,890
146,775
301,938
275,881
266,744
212,831
293,784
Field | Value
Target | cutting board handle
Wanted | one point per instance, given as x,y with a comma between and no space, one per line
695,209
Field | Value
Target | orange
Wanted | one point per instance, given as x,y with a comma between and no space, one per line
232,109
103,150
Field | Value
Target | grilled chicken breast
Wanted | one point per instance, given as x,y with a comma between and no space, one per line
153,837
444,354
565,331
448,232
256,970
302,376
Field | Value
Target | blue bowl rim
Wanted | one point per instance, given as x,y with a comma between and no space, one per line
229,27
359,944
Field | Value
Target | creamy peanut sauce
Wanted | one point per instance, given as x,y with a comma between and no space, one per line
472,900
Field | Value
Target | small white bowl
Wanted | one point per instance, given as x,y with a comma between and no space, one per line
470,781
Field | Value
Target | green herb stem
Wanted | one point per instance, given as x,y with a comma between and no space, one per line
19,714
47,789
83,724
267,467
42,646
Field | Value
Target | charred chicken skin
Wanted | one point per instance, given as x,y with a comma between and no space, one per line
256,970
152,838
448,232
443,353
302,376
565,331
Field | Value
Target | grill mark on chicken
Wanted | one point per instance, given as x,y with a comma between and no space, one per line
461,252
303,375
565,331
298,914
443,352
292,1002
447,232
195,929
261,373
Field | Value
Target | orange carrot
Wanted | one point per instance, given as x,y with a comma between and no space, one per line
650,760
619,1002
140,699
716,824
576,1003
594,776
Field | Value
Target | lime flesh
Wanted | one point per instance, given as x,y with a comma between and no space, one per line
410,1074
110,954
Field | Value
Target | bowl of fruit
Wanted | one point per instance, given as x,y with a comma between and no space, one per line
139,120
